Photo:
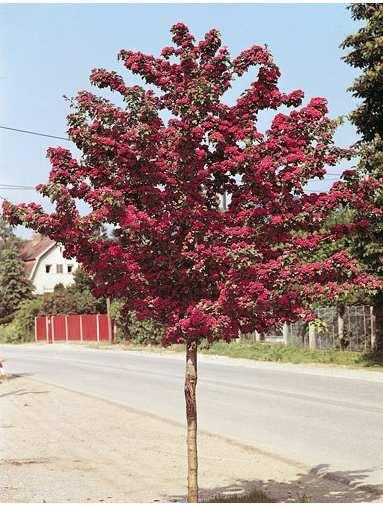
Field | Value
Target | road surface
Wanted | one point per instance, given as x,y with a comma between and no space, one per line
312,416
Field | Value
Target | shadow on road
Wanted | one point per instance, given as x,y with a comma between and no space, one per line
318,485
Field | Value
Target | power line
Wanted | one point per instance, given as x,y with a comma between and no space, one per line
4,186
29,188
34,133
31,132
67,139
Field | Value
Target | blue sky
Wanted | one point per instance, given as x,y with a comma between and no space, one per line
48,50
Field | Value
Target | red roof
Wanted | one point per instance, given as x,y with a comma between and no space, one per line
30,250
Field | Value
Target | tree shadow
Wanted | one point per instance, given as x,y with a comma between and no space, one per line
372,359
10,376
317,485
22,391
19,391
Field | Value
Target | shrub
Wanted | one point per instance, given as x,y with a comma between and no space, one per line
129,327
21,329
68,301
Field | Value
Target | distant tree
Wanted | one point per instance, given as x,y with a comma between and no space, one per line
7,235
82,281
21,328
177,257
366,54
68,301
82,289
14,286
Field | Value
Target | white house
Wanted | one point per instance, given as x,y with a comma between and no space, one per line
45,264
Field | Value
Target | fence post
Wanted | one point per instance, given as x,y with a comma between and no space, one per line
285,333
373,327
312,336
98,327
36,329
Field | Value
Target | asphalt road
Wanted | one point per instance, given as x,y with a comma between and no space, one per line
313,416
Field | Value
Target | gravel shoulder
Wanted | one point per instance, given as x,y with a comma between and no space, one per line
61,446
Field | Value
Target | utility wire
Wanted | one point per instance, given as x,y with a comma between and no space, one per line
16,187
34,133
66,139
31,132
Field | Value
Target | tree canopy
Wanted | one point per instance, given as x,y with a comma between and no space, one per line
177,257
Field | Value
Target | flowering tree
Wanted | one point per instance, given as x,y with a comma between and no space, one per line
177,256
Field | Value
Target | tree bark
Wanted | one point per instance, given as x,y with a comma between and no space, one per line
341,310
191,417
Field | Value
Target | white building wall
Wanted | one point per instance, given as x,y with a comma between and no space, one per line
44,281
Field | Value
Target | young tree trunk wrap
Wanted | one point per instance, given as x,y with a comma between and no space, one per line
191,417
341,308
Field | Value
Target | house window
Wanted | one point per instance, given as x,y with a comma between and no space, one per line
48,268
59,268
70,267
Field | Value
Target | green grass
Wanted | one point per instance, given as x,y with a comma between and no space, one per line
276,353
288,354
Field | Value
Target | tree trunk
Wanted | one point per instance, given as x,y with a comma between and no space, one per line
191,417
378,312
341,310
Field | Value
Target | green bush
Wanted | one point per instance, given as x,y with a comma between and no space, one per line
68,301
130,328
21,329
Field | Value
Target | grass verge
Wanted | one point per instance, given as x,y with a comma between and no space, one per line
288,354
272,353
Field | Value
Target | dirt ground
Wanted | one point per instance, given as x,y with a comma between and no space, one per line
60,446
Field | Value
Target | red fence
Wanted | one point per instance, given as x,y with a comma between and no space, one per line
84,327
